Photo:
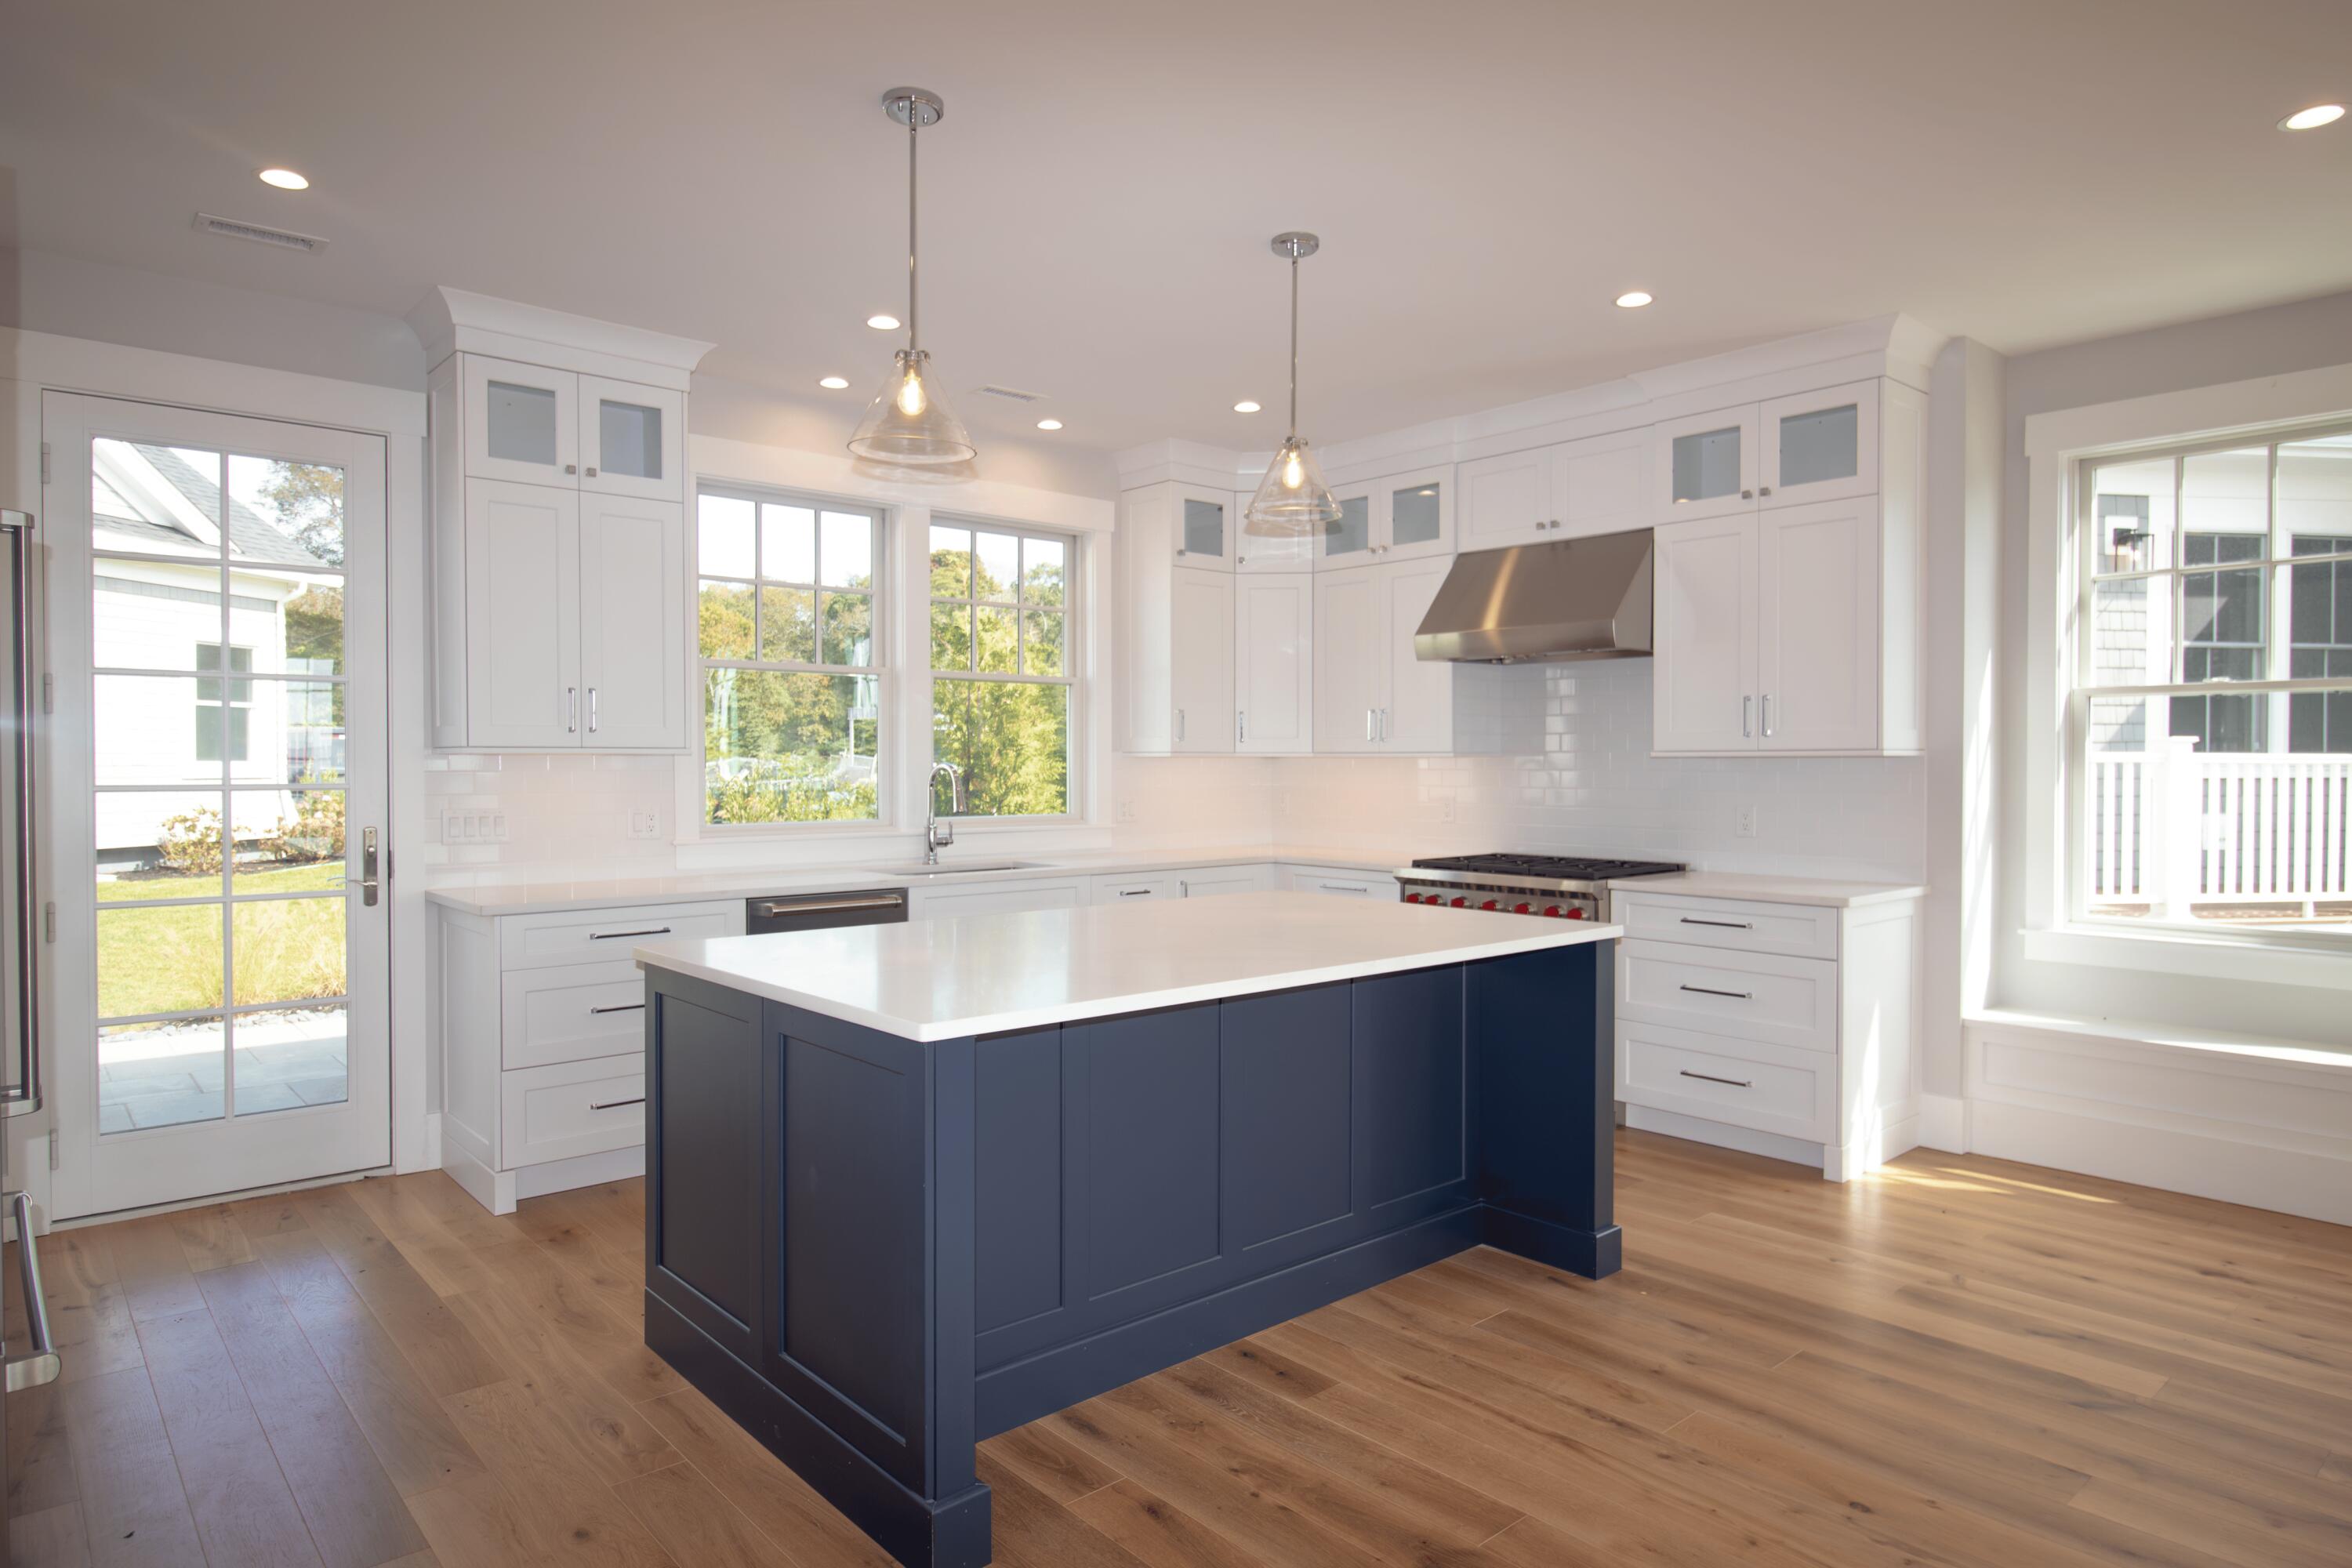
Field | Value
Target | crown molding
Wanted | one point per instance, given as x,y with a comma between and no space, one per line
1896,347
449,319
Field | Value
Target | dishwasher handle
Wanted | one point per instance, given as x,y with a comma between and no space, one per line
40,1364
821,904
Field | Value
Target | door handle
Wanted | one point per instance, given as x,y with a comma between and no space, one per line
40,1367
369,884
616,935
1727,925
1179,723
1367,726
1241,727
1135,893
1385,723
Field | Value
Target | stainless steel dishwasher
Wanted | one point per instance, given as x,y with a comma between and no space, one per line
818,911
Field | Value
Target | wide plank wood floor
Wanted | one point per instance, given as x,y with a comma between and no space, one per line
1957,1361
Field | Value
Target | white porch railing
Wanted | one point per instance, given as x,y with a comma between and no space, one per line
2257,827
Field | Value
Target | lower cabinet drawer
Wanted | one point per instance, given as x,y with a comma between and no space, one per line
574,1107
1340,884
1770,1088
1747,995
1133,889
576,1012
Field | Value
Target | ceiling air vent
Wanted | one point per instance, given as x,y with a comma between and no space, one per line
1012,393
284,238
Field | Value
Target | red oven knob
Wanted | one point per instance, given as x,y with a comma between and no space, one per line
1413,898
1523,909
1489,904
1461,903
1554,911
1576,914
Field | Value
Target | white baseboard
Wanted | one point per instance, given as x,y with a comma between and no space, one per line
1723,1135
1944,1123
2268,1132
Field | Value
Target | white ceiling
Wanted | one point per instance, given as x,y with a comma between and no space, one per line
1487,177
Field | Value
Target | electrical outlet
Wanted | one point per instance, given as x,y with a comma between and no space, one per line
1746,827
645,825
1126,811
1445,810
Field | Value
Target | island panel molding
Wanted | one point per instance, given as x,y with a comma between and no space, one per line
956,1236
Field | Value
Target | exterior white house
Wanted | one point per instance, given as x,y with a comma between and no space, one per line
151,611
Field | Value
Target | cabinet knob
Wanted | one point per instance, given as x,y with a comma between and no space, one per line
592,473
1181,551
1747,494
1761,489
571,468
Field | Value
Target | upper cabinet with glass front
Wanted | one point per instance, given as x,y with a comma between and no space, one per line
1205,528
1790,451
558,456
1404,517
534,425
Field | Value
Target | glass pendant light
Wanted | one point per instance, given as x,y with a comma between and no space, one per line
1292,500
909,424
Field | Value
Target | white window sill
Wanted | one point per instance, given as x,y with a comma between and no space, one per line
2187,953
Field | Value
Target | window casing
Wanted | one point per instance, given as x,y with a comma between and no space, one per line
2210,725
790,607
1004,699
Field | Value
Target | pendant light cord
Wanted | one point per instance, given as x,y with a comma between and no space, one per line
1294,346
914,124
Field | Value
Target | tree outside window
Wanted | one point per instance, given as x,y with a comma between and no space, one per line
1001,683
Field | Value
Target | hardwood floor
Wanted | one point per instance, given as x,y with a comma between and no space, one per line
1957,1361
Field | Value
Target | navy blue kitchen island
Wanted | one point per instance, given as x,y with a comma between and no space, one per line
909,1186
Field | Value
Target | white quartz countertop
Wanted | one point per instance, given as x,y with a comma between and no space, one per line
612,892
1769,890
980,974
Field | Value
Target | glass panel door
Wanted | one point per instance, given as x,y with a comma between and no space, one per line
629,442
1349,540
1202,540
219,589
519,421
1820,445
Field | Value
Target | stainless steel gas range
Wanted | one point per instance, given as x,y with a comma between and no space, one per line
1560,887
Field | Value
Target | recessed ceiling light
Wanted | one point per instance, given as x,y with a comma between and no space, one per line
883,323
1246,406
833,382
1632,300
2312,119
288,179
1049,424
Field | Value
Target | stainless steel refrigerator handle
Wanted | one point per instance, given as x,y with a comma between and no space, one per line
40,1367
26,1094
827,906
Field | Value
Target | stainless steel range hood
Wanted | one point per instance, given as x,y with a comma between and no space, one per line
1576,598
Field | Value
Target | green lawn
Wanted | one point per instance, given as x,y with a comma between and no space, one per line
169,960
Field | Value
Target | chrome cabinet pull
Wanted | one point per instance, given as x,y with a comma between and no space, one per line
616,935
591,698
1241,727
614,1104
571,709
621,1007
1727,925
1746,718
1710,1078
39,1366
1768,715
1367,726
1179,723
1135,893
1711,991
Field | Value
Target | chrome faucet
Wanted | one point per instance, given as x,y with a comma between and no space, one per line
937,835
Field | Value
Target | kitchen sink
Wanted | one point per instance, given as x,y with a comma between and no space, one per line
919,870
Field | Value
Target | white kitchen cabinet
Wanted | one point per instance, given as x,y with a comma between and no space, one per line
1338,882
1173,628
1372,694
519,598
558,529
1274,662
1204,527
1201,683
1785,1029
1597,485
632,439
1788,625
1133,888
633,636
933,903
1221,880
541,1034
1400,517
521,422
1705,465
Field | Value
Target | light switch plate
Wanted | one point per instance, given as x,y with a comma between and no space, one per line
645,825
